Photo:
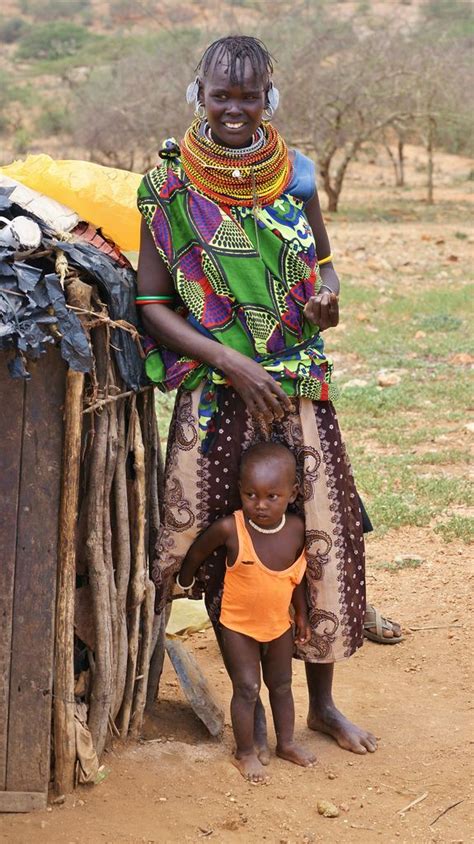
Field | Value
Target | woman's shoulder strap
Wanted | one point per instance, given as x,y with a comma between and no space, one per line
303,181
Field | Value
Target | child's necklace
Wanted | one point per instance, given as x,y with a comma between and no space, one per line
269,530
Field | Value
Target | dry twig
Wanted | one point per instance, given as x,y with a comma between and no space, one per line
448,809
413,803
436,627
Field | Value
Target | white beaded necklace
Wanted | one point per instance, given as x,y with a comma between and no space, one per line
258,140
269,530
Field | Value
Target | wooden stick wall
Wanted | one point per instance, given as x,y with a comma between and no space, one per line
109,521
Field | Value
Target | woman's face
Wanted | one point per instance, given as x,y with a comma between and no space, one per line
234,112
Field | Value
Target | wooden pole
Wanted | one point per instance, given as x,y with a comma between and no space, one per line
64,732
148,607
102,680
138,573
157,656
122,555
110,468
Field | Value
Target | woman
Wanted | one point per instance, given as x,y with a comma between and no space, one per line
236,281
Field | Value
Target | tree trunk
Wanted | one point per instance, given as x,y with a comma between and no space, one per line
400,182
398,162
324,169
430,164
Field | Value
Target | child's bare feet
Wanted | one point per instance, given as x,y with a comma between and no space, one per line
296,754
250,767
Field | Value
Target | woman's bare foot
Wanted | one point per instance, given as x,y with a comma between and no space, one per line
260,738
296,754
250,767
263,752
348,735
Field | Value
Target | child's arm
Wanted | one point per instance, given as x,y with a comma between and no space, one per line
215,536
302,627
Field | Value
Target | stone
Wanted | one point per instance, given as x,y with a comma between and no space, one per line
354,383
327,809
388,379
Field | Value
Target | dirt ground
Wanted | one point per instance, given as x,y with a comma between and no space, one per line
178,785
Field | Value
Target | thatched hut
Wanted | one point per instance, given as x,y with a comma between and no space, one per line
80,472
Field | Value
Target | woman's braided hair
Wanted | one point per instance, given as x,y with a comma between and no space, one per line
237,49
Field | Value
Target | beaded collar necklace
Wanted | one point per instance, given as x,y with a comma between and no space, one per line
253,176
258,139
269,530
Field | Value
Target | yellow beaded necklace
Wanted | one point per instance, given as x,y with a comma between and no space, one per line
234,177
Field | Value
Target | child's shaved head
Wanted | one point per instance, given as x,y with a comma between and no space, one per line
270,453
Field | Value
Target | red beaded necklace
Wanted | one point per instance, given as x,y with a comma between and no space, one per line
231,177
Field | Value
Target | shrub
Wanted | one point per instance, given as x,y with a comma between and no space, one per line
53,120
21,140
11,29
53,41
52,10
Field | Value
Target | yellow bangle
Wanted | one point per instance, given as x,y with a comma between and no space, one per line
325,260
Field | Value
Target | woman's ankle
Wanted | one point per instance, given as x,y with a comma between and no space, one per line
244,753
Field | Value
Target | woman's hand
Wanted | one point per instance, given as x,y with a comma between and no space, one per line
323,310
262,395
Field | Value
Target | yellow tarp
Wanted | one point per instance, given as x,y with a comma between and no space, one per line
103,196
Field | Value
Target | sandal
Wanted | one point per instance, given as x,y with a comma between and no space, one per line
380,623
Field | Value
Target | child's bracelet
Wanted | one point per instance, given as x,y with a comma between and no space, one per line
186,588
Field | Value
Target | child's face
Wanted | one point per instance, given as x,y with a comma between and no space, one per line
266,489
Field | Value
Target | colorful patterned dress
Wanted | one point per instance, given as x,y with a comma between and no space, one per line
242,277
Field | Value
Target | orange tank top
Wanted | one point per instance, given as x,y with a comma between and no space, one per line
256,600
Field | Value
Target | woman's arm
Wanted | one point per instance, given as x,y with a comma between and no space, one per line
214,537
302,626
323,309
261,394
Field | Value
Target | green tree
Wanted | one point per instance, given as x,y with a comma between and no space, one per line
124,111
53,41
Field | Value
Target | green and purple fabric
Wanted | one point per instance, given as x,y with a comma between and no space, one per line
242,277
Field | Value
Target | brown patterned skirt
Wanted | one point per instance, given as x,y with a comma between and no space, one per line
200,488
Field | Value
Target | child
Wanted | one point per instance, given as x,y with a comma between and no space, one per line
264,575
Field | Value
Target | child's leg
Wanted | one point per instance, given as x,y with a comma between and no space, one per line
242,658
276,665
260,738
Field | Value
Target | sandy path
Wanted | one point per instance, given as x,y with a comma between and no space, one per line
415,696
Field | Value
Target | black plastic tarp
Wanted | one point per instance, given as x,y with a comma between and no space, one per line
33,311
